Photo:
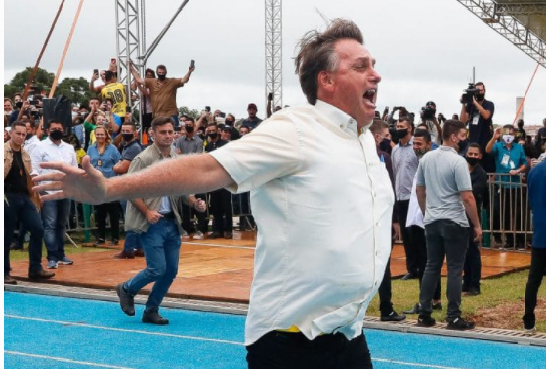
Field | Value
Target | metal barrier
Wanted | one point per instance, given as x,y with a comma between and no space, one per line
508,222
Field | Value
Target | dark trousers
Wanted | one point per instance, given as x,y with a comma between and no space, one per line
19,207
418,240
111,209
536,273
281,350
450,240
385,291
220,202
472,265
55,218
411,258
187,216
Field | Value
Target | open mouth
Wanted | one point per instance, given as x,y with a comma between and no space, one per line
369,95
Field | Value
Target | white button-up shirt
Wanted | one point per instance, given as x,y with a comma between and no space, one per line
31,144
323,203
47,151
415,215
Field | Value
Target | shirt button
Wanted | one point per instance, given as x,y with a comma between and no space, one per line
377,224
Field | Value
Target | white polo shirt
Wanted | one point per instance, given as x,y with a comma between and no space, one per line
47,151
323,202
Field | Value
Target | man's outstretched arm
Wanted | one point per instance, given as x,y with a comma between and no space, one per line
184,175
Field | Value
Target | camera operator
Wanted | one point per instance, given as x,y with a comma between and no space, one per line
478,114
428,117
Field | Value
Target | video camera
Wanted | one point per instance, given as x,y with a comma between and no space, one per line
470,92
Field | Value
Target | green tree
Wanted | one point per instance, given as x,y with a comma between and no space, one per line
42,79
75,89
194,113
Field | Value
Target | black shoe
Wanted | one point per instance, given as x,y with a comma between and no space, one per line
100,242
426,321
214,235
9,280
228,235
113,243
437,306
40,274
415,310
473,292
126,301
16,246
154,317
393,317
460,324
409,276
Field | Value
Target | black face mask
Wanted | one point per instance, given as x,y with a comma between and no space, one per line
480,97
472,161
201,136
385,145
401,133
213,136
189,129
161,77
462,145
56,134
127,137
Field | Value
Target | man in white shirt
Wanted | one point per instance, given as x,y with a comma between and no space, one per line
54,213
311,289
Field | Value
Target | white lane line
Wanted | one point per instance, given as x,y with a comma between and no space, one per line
413,364
218,245
65,360
85,325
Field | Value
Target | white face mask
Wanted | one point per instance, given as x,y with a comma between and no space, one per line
508,139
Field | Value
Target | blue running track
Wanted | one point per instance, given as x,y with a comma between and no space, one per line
65,333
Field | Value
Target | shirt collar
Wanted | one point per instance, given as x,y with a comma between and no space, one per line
410,143
448,148
156,151
337,116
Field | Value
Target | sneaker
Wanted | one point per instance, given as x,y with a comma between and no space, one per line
473,292
124,254
198,235
126,301
154,317
460,324
215,235
414,310
52,264
113,243
66,261
393,317
100,242
228,235
530,330
437,306
426,321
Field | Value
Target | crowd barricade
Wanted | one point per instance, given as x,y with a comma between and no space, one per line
506,219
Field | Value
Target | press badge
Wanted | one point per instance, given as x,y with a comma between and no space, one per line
476,119
505,160
512,165
99,163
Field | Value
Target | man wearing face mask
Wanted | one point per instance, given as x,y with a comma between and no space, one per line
478,117
520,131
405,165
54,213
131,148
444,190
473,261
220,200
511,162
163,91
422,144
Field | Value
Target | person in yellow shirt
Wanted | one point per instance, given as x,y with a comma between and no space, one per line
116,92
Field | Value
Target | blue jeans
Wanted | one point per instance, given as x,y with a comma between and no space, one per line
131,238
55,218
162,248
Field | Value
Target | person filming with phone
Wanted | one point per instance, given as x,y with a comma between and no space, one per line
163,90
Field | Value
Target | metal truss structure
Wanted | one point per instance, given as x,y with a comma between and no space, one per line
521,22
273,51
130,45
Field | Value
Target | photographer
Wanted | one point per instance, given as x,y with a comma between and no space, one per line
477,113
428,117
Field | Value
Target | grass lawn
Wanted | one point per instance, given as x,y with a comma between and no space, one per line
500,305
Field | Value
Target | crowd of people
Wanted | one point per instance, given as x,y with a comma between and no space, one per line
438,170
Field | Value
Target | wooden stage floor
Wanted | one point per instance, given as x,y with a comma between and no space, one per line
219,269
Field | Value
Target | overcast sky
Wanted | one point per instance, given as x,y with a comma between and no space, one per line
425,50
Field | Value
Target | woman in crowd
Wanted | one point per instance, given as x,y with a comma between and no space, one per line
104,156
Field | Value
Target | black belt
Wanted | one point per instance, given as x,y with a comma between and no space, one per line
169,215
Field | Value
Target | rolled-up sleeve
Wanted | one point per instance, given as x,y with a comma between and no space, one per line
271,151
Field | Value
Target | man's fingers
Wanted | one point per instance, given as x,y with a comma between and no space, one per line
50,186
54,196
57,165
49,177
